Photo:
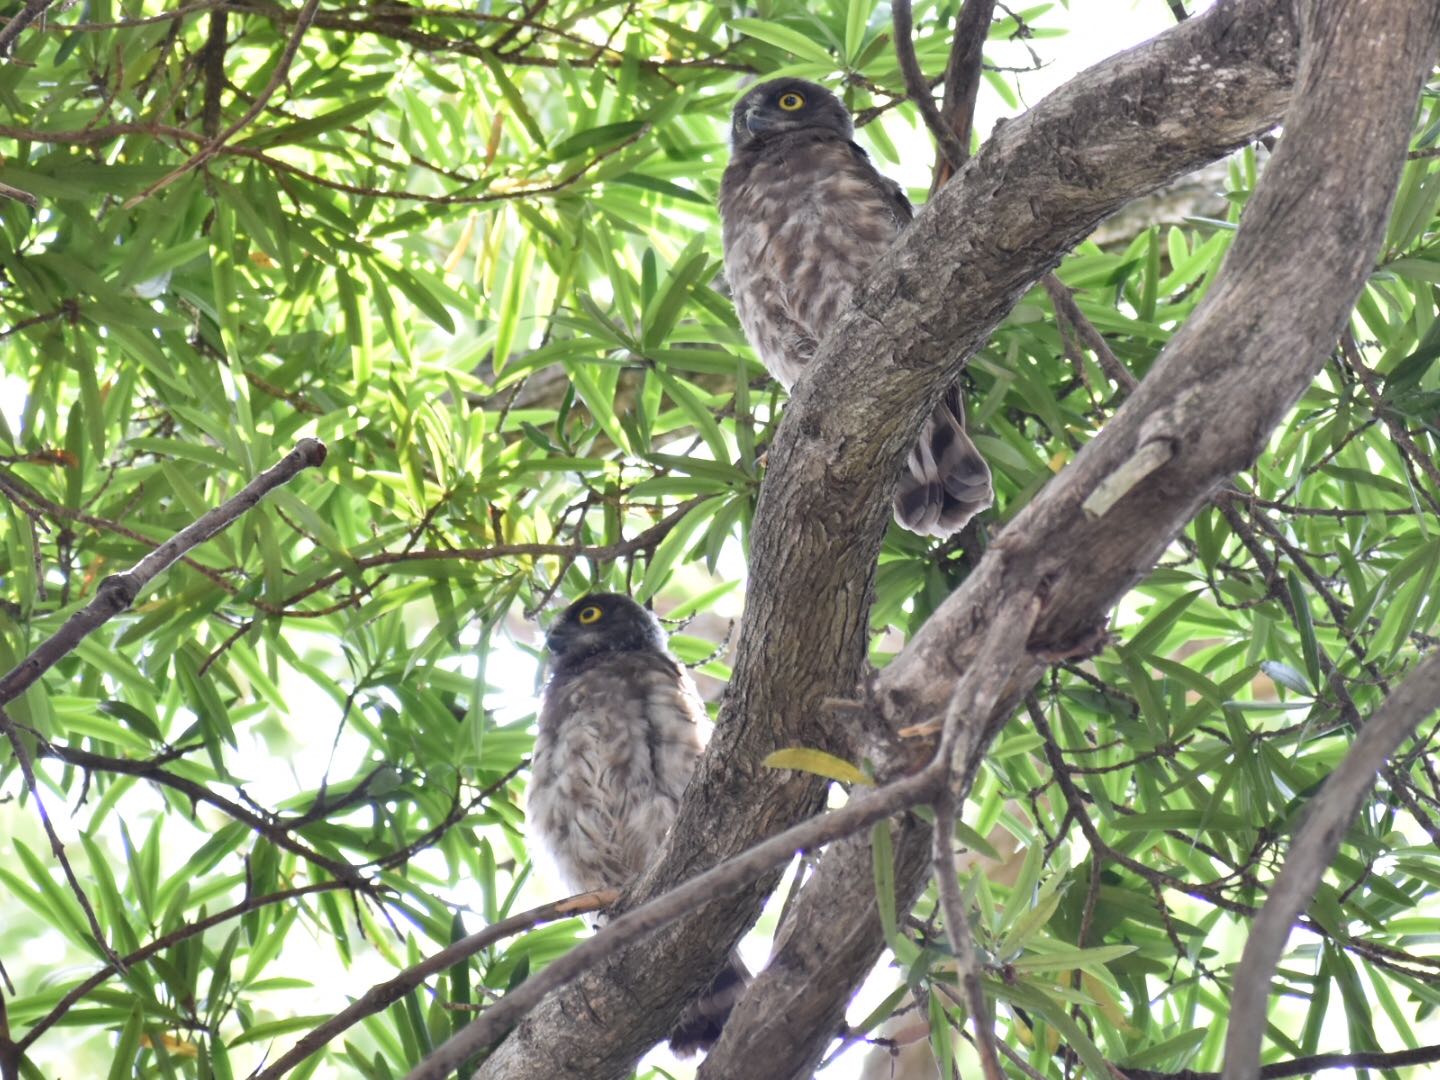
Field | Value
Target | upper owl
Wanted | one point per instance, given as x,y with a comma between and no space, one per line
805,217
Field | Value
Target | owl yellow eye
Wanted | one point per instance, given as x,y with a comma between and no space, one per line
791,101
589,615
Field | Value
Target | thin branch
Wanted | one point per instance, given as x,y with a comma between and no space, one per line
1062,299
383,995
274,831
918,89
600,553
118,592
27,770
1328,815
718,881
957,925
165,941
1308,1066
211,148
22,494
32,10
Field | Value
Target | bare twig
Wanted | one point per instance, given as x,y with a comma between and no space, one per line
382,995
1063,301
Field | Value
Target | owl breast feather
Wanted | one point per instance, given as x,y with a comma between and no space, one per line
805,217
618,741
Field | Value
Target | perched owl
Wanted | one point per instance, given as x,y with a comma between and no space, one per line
805,217
619,738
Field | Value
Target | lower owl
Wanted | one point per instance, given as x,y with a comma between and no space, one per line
619,737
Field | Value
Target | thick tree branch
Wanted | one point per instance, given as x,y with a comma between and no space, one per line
1038,187
831,938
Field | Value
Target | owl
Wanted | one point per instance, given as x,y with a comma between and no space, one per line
805,216
619,737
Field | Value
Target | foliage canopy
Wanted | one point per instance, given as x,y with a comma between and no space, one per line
475,252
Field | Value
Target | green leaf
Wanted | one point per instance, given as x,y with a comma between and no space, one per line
305,130
673,546
128,1045
784,37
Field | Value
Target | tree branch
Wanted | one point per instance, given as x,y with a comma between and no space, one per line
118,592
382,995
918,88
32,10
1039,186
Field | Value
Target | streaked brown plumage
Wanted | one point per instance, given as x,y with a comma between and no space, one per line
619,738
805,216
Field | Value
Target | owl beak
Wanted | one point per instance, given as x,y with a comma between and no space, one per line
757,122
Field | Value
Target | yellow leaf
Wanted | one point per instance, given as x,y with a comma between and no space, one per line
178,1047
804,759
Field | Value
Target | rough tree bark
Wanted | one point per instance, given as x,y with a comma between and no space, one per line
1038,187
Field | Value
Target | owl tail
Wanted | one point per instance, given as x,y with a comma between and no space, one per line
946,482
700,1023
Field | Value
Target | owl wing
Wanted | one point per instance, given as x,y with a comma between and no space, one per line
618,741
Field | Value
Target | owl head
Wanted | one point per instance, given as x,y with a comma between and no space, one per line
600,623
787,105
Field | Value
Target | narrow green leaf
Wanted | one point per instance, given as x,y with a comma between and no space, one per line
784,37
